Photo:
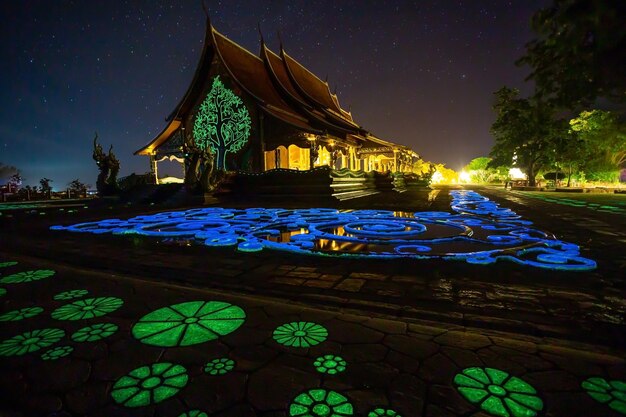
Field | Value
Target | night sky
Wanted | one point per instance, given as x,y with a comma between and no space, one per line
419,73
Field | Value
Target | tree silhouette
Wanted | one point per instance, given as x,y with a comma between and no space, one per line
222,123
579,54
45,187
79,188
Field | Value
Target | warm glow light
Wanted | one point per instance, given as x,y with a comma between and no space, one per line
517,174
464,177
437,178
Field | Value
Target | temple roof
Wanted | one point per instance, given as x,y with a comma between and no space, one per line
282,87
277,68
309,83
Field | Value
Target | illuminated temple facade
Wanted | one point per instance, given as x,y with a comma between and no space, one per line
295,121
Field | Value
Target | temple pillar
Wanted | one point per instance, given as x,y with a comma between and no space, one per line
154,169
395,160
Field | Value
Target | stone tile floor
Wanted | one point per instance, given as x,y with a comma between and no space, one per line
404,328
408,366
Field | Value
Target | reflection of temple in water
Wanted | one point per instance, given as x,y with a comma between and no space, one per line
297,123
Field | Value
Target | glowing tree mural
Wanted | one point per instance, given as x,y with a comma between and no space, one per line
222,123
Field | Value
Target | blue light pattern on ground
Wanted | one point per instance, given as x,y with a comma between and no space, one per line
478,232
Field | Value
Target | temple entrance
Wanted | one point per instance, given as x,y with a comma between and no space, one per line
292,157
169,169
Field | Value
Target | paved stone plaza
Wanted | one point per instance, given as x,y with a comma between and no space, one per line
129,326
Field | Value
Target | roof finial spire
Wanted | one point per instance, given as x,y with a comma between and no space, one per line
206,11
260,33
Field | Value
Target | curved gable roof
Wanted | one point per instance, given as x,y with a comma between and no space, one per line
277,68
316,89
249,71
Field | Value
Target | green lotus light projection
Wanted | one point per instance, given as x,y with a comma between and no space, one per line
56,353
498,393
71,294
330,364
94,332
21,314
87,308
30,341
320,403
219,366
612,393
149,384
7,264
27,276
188,323
194,413
383,412
222,123
300,334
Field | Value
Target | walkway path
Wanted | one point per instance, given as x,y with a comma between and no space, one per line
257,367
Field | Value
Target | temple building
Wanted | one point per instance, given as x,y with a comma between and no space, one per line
260,112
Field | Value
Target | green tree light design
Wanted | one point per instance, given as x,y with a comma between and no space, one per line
87,308
219,366
94,332
71,294
56,353
498,393
300,334
7,264
30,341
188,323
612,393
383,412
320,403
149,384
21,314
27,276
222,124
330,364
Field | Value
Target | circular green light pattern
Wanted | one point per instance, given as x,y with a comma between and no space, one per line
27,276
21,314
498,393
330,364
219,366
95,332
149,384
300,334
7,264
383,412
320,403
188,323
612,393
87,308
71,294
56,353
30,341
194,413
